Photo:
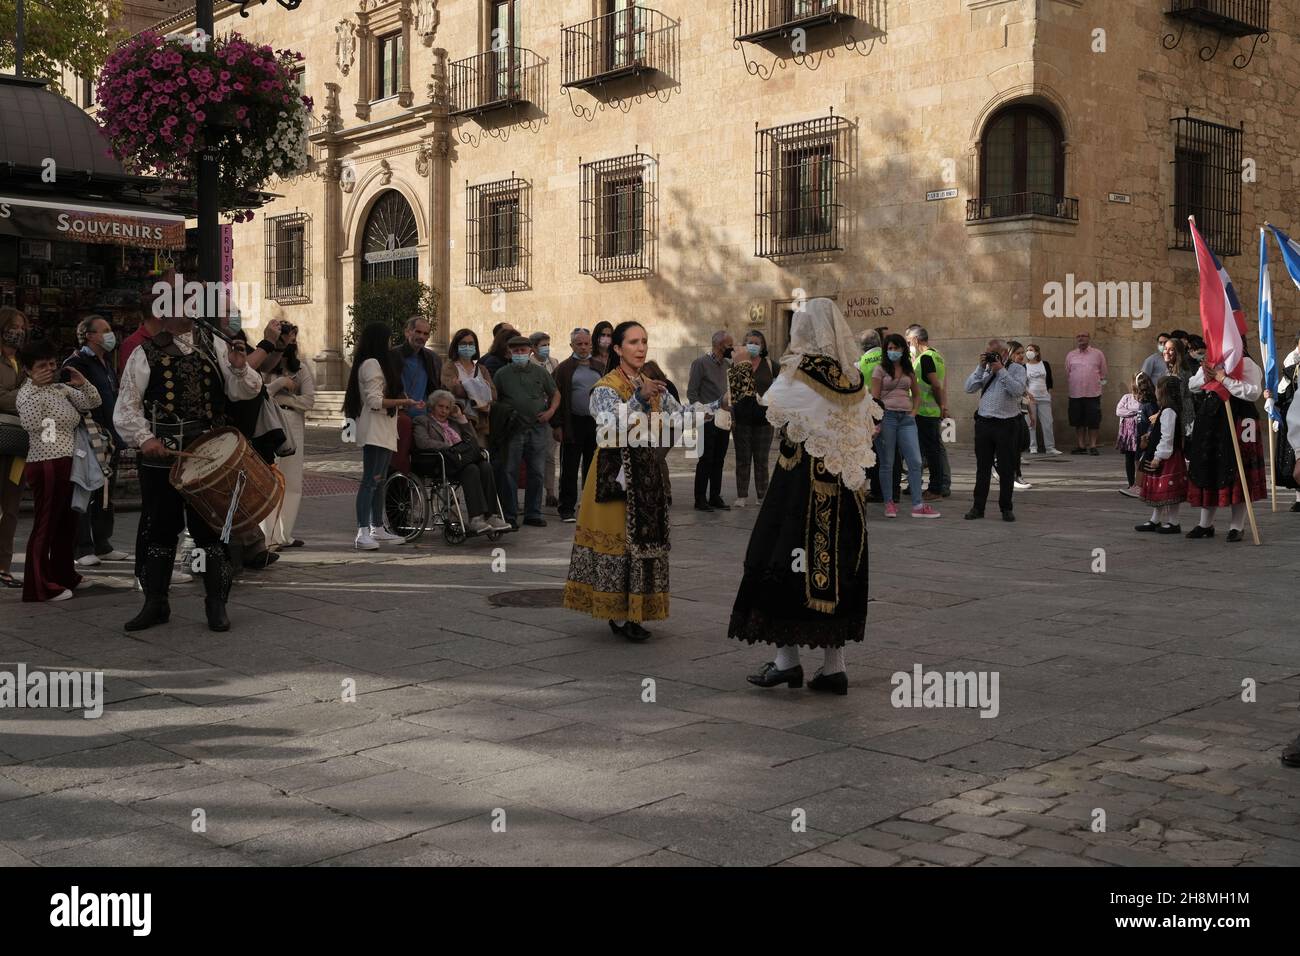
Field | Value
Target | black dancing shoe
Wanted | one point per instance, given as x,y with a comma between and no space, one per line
619,629
217,619
770,676
155,611
1147,526
1170,529
831,683
1291,754
1199,532
1234,535
635,632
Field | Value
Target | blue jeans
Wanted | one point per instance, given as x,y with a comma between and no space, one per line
898,429
530,446
370,496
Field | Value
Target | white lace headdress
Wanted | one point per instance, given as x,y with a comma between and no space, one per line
835,426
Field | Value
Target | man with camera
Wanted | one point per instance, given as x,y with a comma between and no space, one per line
1001,386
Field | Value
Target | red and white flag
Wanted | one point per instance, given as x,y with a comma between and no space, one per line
1223,322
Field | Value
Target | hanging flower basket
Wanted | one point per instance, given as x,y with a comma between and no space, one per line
163,102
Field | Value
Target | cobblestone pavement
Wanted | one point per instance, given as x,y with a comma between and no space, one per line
485,734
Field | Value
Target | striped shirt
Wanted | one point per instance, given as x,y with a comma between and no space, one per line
1002,397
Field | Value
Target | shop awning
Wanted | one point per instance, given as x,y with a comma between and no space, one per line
117,224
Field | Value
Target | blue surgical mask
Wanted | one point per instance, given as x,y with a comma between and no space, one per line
544,352
753,348
236,323
466,351
894,355
109,342
519,358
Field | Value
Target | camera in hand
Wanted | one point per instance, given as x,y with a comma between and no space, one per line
991,357
287,328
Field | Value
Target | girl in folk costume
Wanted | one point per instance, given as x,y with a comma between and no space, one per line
1212,478
805,580
1135,411
619,566
1285,457
1164,469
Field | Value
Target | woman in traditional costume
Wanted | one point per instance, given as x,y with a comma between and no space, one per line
805,581
1212,476
619,566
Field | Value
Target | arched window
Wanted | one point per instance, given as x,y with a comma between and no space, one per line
391,238
1022,153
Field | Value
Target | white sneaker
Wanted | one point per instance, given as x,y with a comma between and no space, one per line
498,523
182,577
64,595
479,525
1021,485
87,561
1054,451
1133,491
364,541
740,503
114,556
383,534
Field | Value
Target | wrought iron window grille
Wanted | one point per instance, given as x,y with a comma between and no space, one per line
1230,18
288,258
1020,205
1207,184
787,26
800,182
618,213
498,235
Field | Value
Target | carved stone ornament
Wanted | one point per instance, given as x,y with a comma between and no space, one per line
347,177
422,159
426,19
333,116
345,45
385,173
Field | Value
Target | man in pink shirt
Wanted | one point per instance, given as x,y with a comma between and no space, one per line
1085,369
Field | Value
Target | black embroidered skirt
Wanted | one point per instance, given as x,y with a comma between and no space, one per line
805,580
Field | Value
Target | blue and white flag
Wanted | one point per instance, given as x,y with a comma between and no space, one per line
1290,253
1267,340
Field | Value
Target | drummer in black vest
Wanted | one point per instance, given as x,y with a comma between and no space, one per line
175,387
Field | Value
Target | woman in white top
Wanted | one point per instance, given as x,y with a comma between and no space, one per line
373,397
51,413
292,387
1038,389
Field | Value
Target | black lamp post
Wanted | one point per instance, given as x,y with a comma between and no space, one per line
209,233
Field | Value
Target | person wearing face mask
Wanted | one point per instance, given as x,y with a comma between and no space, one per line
708,384
292,386
528,389
575,428
469,380
94,360
931,375
601,336
749,378
893,385
1038,385
542,356
13,437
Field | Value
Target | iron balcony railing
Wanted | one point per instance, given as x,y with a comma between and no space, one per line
498,79
1236,18
758,20
1022,204
622,43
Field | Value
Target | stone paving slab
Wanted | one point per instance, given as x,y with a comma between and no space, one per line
463,708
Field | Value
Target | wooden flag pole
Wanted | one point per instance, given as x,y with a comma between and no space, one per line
1241,473
1272,464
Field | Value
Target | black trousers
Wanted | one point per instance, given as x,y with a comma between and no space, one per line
479,488
95,525
928,432
708,470
163,516
995,439
576,453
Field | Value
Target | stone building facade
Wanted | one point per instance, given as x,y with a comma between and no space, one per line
700,166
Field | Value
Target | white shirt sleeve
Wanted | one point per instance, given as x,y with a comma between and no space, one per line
128,414
1197,381
1293,426
240,384
1251,384
1168,425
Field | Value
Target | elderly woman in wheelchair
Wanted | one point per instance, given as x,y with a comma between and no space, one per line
445,432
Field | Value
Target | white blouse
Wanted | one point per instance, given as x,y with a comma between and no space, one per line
51,414
374,425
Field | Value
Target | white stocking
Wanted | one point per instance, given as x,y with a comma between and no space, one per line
1207,517
833,661
1155,514
787,657
1238,516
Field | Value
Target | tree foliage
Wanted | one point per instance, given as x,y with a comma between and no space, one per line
78,34
391,301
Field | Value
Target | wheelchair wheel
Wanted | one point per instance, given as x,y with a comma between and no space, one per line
453,532
405,507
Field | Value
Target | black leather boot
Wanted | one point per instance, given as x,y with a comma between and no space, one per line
156,579
216,583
